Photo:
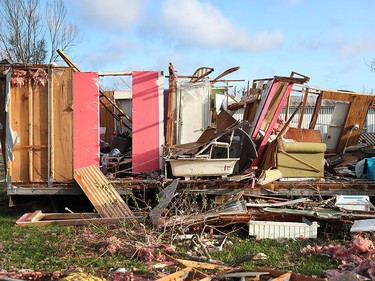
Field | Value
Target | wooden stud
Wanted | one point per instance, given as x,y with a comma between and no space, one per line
171,134
30,130
305,96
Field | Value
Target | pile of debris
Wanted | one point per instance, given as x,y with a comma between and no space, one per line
206,222
265,144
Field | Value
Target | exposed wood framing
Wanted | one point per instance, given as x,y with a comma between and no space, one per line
358,108
106,117
117,116
305,96
314,117
273,116
30,130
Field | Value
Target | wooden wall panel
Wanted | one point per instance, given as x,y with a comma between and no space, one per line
61,124
19,122
147,116
86,120
38,152
106,118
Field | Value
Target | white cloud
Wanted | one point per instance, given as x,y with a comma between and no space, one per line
360,45
114,14
201,24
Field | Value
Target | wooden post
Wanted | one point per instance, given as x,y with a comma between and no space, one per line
30,131
314,117
51,129
172,108
305,96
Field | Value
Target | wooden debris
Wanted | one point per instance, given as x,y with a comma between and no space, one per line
279,204
38,218
101,193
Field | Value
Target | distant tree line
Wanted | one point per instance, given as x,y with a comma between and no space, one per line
31,33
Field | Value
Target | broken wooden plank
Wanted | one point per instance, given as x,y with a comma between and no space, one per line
101,193
243,275
176,275
279,204
37,218
203,265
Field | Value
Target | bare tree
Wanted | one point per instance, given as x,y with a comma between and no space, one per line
28,36
372,65
62,35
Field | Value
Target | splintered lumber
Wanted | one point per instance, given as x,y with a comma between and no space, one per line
63,219
101,193
279,204
176,275
203,265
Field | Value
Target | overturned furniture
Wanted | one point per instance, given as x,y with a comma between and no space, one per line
301,159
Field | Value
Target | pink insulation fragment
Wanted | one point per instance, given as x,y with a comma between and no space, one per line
357,257
21,77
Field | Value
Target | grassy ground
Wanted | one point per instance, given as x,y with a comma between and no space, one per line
66,249
96,249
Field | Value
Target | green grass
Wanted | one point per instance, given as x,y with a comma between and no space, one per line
283,254
65,248
57,248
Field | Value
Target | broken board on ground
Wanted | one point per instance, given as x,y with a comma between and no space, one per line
108,203
38,218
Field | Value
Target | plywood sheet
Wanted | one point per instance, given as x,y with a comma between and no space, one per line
61,124
101,193
86,119
147,112
19,122
38,152
303,135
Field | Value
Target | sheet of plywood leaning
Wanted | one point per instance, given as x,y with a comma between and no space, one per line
101,193
61,124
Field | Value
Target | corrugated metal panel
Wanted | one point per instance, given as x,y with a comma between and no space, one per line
370,121
276,230
101,193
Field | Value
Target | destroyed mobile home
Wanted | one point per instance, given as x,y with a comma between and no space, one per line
56,120
59,122
63,135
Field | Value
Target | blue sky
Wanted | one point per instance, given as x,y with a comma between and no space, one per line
332,42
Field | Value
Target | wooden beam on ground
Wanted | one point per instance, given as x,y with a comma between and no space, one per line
63,219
